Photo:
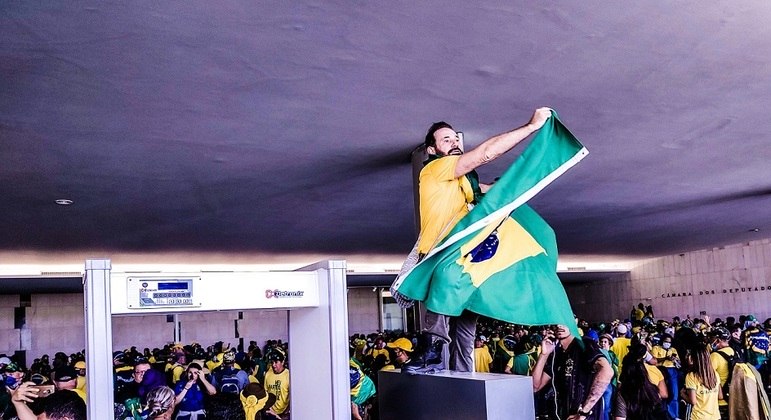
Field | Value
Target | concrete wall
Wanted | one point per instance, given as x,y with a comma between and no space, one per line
363,310
54,323
730,280
10,338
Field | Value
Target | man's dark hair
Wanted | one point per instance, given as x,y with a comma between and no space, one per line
141,361
64,404
430,140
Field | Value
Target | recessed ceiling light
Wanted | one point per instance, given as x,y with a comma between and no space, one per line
754,230
63,202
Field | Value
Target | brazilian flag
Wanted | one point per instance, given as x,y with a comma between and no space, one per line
500,260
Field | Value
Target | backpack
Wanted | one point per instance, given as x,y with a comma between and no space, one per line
732,361
227,381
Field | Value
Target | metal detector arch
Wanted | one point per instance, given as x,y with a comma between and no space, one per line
314,296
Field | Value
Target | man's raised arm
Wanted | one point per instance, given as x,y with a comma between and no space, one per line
500,144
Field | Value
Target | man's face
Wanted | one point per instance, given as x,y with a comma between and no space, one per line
561,332
736,334
139,371
447,142
401,355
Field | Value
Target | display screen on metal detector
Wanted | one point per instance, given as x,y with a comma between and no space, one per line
160,292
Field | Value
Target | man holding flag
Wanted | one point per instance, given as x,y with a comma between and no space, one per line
470,248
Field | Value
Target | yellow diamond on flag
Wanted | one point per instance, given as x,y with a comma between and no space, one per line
515,244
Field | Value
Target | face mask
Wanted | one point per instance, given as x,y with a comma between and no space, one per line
496,339
666,346
10,382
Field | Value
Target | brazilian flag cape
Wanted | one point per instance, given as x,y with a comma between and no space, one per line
500,260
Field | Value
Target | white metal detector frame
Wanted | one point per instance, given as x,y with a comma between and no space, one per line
318,328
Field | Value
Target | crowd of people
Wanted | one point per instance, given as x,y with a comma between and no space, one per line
637,368
183,382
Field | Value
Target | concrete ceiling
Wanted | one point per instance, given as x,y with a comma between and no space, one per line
286,127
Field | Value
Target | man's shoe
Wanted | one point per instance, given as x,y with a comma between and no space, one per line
428,358
432,358
414,367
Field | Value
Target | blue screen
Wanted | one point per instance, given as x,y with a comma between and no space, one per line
172,286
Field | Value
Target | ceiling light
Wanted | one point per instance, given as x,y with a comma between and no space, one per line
64,202
755,230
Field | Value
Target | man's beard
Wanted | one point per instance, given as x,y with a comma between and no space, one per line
455,151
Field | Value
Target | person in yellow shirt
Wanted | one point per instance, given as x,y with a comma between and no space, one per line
482,357
379,348
657,378
448,187
219,350
402,349
639,312
720,359
277,383
80,368
255,401
178,366
702,386
150,356
667,358
621,344
504,355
